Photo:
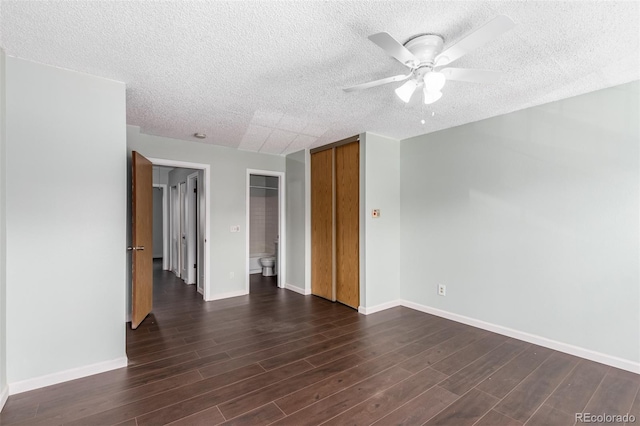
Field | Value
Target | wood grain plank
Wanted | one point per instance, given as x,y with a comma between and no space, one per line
547,415
465,411
257,398
420,409
460,359
493,418
342,401
309,395
389,400
322,224
210,416
525,399
463,380
205,400
265,415
440,351
347,196
508,377
578,387
615,394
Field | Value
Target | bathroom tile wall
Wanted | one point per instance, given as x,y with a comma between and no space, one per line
271,220
263,220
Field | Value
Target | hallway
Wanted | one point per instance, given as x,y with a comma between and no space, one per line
279,357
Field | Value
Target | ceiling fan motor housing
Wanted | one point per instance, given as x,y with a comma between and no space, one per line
425,47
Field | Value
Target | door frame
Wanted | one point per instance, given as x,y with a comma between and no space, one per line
205,184
192,227
182,194
282,232
174,226
165,225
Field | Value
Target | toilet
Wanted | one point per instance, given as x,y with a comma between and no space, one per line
267,266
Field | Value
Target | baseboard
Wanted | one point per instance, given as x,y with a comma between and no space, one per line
228,295
297,289
65,376
4,395
589,354
380,307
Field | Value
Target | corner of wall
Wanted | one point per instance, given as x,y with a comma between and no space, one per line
307,221
4,388
363,221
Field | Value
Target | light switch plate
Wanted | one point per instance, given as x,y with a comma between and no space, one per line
234,228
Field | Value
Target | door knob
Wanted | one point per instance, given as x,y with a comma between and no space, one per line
135,248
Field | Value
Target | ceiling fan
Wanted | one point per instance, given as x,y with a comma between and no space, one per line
424,55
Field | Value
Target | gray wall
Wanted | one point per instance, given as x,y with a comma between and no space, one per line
295,206
531,221
65,211
228,198
158,232
380,159
4,390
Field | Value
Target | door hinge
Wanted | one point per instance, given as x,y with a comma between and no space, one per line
195,190
194,265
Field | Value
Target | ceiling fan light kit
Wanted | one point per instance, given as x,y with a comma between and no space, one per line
424,53
431,97
405,92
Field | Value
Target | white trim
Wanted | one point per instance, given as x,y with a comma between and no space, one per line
64,376
192,228
362,220
589,354
206,168
165,224
381,307
297,289
282,225
307,220
228,295
4,395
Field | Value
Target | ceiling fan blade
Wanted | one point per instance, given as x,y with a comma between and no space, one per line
475,39
471,75
394,48
376,83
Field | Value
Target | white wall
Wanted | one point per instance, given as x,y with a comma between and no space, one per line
295,205
531,220
65,212
4,389
380,161
228,198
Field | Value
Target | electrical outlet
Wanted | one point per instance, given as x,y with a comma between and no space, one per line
234,228
442,290
375,213
232,275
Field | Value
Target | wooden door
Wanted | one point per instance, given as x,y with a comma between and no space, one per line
347,223
322,224
142,239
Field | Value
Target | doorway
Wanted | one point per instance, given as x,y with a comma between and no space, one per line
188,222
265,236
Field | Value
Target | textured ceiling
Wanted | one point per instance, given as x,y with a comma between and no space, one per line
267,76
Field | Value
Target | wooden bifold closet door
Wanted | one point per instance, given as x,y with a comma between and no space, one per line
335,225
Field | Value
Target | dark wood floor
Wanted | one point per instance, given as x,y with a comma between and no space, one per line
276,357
